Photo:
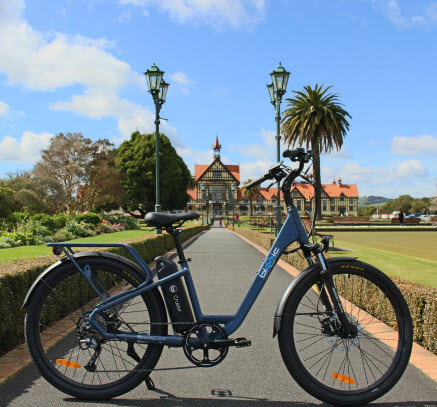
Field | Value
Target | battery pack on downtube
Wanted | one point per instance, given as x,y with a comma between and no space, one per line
175,295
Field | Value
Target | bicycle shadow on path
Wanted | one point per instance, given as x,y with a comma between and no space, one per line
24,382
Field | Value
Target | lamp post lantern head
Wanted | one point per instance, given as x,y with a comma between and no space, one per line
271,93
280,79
163,91
154,77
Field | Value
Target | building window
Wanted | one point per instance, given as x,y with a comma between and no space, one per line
246,200
260,198
299,205
351,208
342,199
217,174
324,205
351,201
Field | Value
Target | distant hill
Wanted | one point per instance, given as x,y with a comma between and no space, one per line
372,200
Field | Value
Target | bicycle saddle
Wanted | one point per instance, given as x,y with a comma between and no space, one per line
159,219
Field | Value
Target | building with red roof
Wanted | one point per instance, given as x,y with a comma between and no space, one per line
217,192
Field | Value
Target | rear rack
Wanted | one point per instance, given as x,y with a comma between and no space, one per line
66,247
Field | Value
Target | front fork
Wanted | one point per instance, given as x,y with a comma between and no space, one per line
328,293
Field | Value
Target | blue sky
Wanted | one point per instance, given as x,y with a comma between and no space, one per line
77,66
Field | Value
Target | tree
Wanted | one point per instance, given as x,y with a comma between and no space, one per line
86,169
367,210
316,119
33,194
137,165
250,193
6,201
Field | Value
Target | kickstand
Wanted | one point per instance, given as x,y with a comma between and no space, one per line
149,383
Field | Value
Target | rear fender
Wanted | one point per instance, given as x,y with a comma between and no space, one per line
292,286
54,266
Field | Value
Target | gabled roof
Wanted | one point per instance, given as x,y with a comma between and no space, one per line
332,190
199,170
335,190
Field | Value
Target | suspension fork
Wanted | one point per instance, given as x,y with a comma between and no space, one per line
328,293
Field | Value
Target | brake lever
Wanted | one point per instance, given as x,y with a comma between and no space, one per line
273,183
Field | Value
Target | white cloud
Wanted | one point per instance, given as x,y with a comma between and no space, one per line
48,62
131,117
254,169
426,14
27,149
414,145
218,13
4,109
410,169
181,79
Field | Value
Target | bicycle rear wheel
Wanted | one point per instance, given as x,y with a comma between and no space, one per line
347,371
71,355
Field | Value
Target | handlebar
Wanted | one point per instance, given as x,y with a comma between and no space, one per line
277,173
258,181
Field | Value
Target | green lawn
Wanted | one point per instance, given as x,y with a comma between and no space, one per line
408,255
23,252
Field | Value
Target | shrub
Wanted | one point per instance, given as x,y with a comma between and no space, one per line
62,235
17,217
60,220
79,229
91,218
4,245
105,228
45,220
127,222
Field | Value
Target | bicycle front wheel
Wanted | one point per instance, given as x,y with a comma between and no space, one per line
340,370
69,353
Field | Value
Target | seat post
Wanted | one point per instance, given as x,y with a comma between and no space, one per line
175,233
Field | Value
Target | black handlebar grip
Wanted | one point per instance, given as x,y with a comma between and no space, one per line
293,153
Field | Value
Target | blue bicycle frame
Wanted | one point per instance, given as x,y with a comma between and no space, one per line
292,231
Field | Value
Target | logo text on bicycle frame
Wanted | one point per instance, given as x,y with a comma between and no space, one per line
269,263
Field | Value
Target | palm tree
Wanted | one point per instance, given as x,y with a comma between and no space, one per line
250,193
316,119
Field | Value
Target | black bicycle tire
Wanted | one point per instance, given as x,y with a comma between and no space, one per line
291,357
149,360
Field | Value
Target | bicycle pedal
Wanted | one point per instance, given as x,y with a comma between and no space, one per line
241,342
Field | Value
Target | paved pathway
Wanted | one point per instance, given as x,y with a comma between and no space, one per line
223,268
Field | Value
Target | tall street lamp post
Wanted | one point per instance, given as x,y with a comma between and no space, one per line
233,188
158,88
277,89
202,190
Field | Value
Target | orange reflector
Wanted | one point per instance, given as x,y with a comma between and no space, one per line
343,378
68,363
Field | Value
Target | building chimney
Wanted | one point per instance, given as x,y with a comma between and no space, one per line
333,181
339,181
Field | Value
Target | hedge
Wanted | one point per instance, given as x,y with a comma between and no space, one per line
421,300
16,277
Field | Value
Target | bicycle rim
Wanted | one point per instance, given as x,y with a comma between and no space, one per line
366,365
63,345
